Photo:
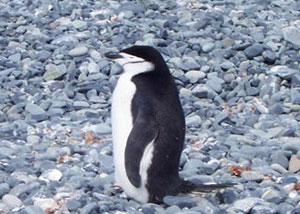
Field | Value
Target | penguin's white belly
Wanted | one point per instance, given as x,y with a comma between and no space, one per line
121,128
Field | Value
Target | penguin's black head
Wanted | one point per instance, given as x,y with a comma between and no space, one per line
142,56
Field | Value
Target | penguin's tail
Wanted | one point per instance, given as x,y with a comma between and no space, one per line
190,187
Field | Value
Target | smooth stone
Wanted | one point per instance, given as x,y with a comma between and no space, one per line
292,145
33,139
32,210
6,152
208,47
172,209
296,80
276,108
273,196
292,34
295,211
251,176
4,189
12,201
93,67
55,112
194,76
252,91
280,159
214,85
51,175
63,39
102,128
221,117
78,51
36,112
246,204
78,104
79,24
282,71
269,57
261,209
89,208
73,205
294,164
227,196
95,55
179,201
45,203
43,55
201,91
15,57
54,72
193,120
227,65
295,95
254,50
115,69
19,190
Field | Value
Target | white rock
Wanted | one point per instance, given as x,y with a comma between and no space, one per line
194,76
45,203
12,201
292,35
93,67
51,175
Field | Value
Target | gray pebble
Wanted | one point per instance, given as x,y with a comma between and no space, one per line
254,50
276,108
194,76
207,47
102,128
273,196
19,190
78,51
4,189
12,201
295,95
73,205
33,139
246,204
36,112
252,176
282,71
54,72
280,159
80,104
215,85
193,120
269,56
89,208
32,210
296,81
261,209
291,34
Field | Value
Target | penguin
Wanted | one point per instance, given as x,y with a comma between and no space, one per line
148,128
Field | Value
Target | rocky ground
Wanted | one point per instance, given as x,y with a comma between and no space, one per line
236,64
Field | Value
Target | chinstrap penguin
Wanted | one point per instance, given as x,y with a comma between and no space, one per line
148,128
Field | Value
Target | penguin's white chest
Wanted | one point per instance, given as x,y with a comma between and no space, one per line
122,123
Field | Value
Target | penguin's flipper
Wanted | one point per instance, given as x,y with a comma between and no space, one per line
144,132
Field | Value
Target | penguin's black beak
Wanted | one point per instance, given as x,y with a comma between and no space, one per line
113,55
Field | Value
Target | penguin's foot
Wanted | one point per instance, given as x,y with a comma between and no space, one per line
117,186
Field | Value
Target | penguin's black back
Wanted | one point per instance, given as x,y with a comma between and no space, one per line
156,91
